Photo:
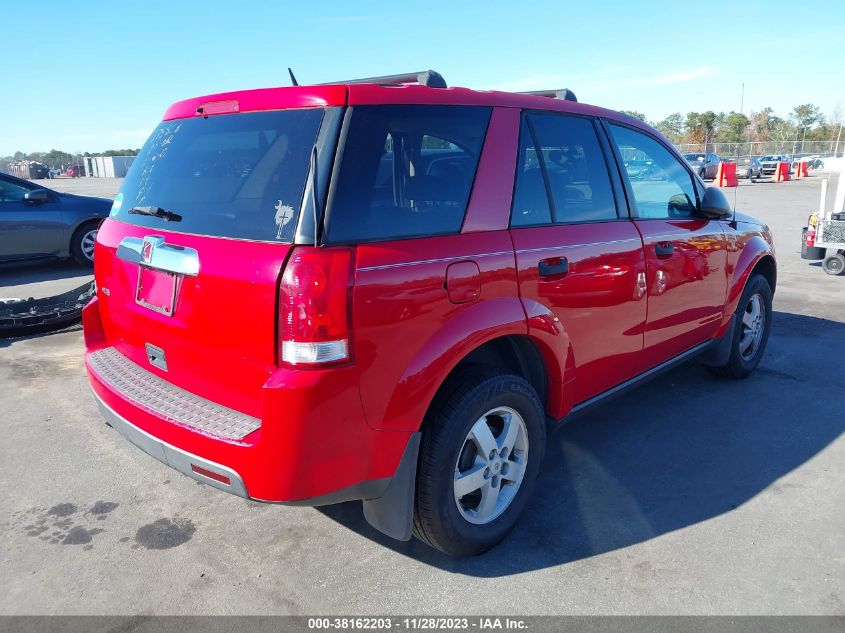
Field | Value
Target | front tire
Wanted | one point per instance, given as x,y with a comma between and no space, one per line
751,330
482,446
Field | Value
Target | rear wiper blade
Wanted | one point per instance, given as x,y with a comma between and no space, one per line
157,212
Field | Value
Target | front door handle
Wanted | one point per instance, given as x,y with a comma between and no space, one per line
664,249
556,266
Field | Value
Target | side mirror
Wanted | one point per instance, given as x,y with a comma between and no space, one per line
715,205
36,196
680,206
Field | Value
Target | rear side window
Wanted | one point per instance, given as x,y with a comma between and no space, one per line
406,171
560,156
234,175
663,188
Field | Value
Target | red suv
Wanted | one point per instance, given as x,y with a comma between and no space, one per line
389,290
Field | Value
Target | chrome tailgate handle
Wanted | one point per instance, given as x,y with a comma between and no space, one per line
152,251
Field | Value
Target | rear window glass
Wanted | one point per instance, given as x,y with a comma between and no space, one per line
570,166
234,175
406,171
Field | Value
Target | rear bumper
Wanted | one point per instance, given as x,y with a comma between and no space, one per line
313,445
227,479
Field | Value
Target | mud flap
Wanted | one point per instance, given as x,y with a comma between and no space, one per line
393,512
720,353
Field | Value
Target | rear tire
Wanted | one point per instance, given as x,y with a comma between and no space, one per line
468,496
753,322
82,243
834,265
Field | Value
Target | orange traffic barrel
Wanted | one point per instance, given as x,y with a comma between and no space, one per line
726,175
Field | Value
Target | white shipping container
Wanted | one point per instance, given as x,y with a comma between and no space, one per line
108,166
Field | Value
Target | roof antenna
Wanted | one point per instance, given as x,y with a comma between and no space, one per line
292,77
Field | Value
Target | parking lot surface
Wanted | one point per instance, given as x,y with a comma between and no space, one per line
691,495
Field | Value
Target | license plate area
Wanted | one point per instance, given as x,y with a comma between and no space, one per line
156,289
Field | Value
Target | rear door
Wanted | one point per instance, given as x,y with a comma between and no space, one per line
577,253
188,264
400,196
686,253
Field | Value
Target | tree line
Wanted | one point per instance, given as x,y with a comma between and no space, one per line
56,158
805,122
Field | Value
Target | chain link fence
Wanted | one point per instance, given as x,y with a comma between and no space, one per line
764,148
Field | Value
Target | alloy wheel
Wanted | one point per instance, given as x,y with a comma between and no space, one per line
491,465
753,324
87,242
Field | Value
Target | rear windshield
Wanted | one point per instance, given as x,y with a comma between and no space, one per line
234,175
695,156
406,171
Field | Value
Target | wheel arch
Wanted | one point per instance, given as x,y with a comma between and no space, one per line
496,335
80,225
523,355
756,257
516,353
767,267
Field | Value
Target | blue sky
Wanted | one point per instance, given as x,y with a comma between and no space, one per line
92,75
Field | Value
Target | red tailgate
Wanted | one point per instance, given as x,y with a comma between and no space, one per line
219,341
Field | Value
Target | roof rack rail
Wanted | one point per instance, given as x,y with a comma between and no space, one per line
428,78
563,93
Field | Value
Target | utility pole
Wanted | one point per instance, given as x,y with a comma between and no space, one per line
742,98
836,148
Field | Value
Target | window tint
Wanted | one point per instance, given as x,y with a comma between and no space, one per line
406,171
662,187
233,175
569,159
11,192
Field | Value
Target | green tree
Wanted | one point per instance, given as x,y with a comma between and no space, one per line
115,152
56,158
672,127
700,127
733,128
806,116
761,124
636,115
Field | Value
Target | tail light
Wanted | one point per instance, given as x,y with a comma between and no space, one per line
314,307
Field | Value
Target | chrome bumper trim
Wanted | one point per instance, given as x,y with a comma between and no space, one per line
170,455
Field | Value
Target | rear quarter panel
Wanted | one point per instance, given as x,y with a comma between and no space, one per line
408,335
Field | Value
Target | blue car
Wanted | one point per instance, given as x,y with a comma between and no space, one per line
39,223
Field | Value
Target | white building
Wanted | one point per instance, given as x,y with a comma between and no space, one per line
107,166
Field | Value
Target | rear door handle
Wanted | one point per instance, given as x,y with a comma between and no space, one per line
664,249
555,266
